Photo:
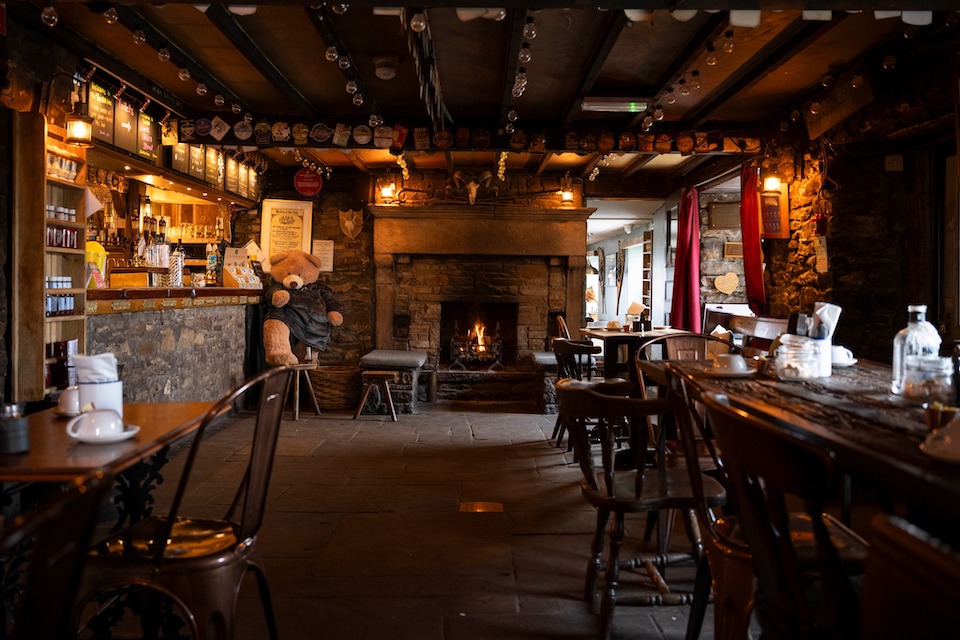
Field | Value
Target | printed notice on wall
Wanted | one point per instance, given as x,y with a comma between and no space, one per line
821,249
285,225
323,249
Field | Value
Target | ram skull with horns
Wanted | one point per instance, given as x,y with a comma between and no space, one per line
470,185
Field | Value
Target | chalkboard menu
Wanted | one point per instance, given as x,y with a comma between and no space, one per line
180,160
100,108
252,176
125,126
148,134
214,166
242,182
232,175
196,161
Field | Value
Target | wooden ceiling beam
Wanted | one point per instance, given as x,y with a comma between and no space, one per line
639,162
797,36
614,24
511,64
223,20
542,163
591,164
354,157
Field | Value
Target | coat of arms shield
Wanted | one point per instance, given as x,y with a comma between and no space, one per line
351,222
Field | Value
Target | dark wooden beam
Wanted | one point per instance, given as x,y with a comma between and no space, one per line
322,22
614,24
511,64
793,39
640,162
354,157
246,46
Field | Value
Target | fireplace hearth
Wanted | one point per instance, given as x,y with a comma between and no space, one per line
478,335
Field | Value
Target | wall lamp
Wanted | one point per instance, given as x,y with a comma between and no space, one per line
79,127
566,190
770,180
388,189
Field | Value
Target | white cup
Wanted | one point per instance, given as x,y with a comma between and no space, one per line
69,402
729,362
102,395
98,423
839,353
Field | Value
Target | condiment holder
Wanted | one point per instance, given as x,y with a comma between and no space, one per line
14,429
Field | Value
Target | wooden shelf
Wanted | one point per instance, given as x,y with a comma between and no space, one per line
67,224
67,251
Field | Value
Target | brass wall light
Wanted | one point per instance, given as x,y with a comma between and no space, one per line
388,189
566,190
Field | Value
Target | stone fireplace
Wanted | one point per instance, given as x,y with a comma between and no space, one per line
523,264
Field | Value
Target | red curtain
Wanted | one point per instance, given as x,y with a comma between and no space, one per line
750,227
685,311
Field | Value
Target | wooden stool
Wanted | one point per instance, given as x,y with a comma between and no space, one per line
382,378
303,369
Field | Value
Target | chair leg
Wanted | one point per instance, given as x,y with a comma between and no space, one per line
389,399
266,601
311,392
609,601
296,396
701,596
595,565
734,589
363,399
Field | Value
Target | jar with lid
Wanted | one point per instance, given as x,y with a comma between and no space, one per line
797,358
928,379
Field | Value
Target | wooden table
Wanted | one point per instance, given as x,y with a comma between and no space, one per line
871,433
613,364
56,457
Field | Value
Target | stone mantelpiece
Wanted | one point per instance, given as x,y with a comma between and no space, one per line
536,256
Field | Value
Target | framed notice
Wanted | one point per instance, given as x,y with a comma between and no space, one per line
125,126
214,166
253,177
323,249
243,178
147,134
196,161
775,214
180,160
232,180
285,225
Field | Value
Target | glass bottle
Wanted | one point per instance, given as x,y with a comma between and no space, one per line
918,338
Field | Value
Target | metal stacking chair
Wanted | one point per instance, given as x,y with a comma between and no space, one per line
47,548
631,489
200,563
764,467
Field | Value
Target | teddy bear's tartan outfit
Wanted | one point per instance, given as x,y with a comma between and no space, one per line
306,313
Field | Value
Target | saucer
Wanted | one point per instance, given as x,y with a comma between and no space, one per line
939,444
845,363
65,414
129,431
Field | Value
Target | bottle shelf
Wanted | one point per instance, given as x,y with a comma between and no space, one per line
67,251
64,318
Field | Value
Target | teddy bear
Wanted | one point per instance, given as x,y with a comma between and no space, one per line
298,307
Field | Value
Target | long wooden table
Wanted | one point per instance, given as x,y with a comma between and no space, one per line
871,433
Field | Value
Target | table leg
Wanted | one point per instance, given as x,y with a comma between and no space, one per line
135,488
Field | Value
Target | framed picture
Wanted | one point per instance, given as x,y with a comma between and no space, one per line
285,225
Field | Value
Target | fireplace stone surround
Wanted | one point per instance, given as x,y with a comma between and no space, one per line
427,255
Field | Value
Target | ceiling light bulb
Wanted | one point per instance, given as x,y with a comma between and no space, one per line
889,63
521,78
418,22
647,121
517,91
510,128
357,99
201,89
351,87
658,113
826,80
344,62
332,54
684,88
340,9
814,107
671,97
236,108
111,16
711,59
525,56
49,15
695,80
512,115
500,15
139,37
529,29
728,41
163,54
184,74
374,121
856,81
219,100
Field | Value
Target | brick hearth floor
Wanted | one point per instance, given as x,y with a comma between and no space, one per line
364,537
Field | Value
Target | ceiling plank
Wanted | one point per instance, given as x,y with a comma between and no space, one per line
543,163
798,35
223,20
614,24
321,20
355,158
640,162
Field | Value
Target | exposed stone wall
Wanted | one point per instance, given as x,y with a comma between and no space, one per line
880,241
181,355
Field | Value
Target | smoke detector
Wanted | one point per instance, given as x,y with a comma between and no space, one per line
385,67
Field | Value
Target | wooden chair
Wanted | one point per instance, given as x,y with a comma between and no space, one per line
621,491
44,553
911,584
764,466
307,364
573,361
200,563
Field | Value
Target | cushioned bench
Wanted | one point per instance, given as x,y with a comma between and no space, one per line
545,364
407,364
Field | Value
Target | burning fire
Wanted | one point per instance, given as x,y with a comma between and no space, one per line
478,330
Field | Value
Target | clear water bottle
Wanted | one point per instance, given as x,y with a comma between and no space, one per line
918,338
